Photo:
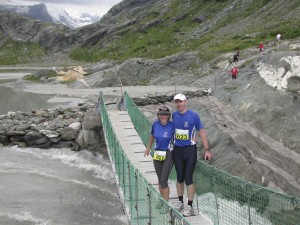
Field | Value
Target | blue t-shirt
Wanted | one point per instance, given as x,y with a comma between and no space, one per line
163,135
186,125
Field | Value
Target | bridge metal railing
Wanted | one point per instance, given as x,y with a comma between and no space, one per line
227,199
139,196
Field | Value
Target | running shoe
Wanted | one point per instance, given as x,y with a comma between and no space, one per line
189,211
179,206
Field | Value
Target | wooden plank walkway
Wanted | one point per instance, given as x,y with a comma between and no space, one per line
134,148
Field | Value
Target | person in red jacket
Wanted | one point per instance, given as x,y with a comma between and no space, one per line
234,72
261,47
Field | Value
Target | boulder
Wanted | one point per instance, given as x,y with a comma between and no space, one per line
68,133
31,137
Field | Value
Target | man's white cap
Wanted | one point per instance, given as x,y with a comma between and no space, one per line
180,97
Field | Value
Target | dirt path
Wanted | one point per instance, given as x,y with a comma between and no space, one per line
62,89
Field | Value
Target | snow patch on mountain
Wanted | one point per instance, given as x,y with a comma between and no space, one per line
83,18
278,78
72,18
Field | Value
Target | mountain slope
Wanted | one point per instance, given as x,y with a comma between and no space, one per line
52,14
155,29
24,40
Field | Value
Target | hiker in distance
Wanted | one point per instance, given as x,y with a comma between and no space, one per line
236,56
261,47
187,124
278,38
162,132
234,73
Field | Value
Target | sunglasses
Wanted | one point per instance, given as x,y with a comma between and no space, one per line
164,114
163,109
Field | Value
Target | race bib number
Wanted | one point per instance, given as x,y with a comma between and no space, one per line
159,155
181,134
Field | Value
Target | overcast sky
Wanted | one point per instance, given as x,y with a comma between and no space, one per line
99,7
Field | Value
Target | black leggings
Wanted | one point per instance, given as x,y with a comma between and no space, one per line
163,169
185,161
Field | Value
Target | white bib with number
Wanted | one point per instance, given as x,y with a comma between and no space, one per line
159,155
181,134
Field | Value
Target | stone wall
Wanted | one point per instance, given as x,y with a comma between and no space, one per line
162,98
76,128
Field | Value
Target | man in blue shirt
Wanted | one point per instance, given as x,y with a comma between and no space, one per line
187,124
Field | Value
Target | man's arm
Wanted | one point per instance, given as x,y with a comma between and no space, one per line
207,153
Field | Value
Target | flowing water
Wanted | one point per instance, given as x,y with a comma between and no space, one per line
53,186
57,186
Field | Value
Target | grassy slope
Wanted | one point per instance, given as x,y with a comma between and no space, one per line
15,52
221,31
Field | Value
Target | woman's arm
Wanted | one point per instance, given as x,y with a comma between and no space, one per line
151,140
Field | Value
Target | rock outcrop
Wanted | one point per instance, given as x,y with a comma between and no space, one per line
73,74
